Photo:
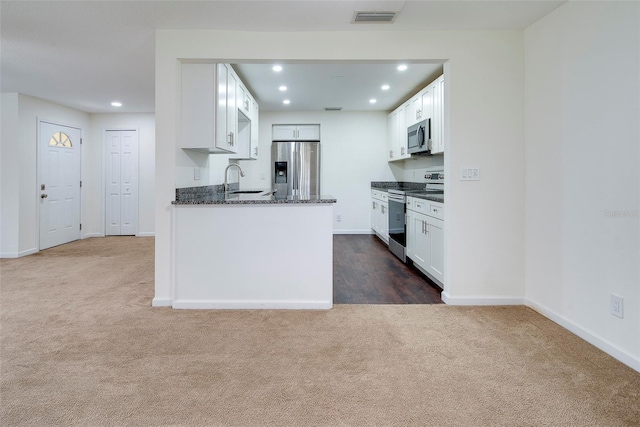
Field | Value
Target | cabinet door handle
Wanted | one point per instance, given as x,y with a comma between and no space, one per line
230,138
382,207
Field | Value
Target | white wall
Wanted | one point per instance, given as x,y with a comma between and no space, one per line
145,124
353,148
21,153
484,245
19,196
582,68
9,172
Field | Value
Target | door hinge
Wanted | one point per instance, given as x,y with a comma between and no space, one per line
80,226
80,184
80,141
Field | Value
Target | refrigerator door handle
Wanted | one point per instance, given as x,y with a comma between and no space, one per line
295,164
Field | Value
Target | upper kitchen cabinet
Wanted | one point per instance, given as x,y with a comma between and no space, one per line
397,134
248,128
296,132
209,108
426,104
437,116
243,100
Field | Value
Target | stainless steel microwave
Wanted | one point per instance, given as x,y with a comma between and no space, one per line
419,137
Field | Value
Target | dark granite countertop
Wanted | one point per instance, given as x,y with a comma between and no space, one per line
214,195
413,186
428,196
386,185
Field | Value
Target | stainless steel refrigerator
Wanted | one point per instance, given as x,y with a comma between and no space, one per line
295,167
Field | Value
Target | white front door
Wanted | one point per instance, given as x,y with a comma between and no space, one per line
59,184
121,182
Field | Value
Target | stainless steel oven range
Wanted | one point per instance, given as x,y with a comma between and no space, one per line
398,210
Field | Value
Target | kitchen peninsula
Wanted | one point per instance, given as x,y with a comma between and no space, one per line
248,250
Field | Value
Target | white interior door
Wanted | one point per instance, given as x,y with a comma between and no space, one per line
121,182
59,186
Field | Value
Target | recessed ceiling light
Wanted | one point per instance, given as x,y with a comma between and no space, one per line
277,68
286,102
385,87
282,88
116,104
402,67
372,101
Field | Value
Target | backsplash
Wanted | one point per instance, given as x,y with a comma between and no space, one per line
393,184
205,189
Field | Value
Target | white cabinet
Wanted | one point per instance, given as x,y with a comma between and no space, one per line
248,129
437,117
397,134
426,104
243,100
296,132
380,214
255,128
208,108
231,132
425,237
391,133
426,97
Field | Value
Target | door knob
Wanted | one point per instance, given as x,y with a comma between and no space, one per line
43,196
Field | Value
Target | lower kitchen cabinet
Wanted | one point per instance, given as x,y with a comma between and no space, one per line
380,214
425,237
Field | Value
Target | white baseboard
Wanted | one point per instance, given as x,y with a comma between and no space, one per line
476,300
161,302
356,231
89,235
19,254
252,305
146,234
28,252
590,337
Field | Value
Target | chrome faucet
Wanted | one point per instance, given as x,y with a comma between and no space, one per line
226,186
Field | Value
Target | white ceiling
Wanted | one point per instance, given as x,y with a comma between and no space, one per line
85,54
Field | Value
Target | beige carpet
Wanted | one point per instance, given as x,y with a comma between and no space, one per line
81,345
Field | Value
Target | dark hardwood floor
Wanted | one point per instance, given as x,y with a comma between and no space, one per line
365,272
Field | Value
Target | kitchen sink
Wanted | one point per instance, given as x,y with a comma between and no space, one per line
246,192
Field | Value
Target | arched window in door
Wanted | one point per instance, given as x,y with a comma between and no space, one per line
60,139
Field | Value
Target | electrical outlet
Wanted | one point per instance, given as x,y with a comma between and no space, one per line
616,306
338,218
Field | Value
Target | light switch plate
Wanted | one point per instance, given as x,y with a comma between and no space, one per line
196,174
470,174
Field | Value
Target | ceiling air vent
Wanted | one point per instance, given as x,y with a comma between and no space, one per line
332,108
361,17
